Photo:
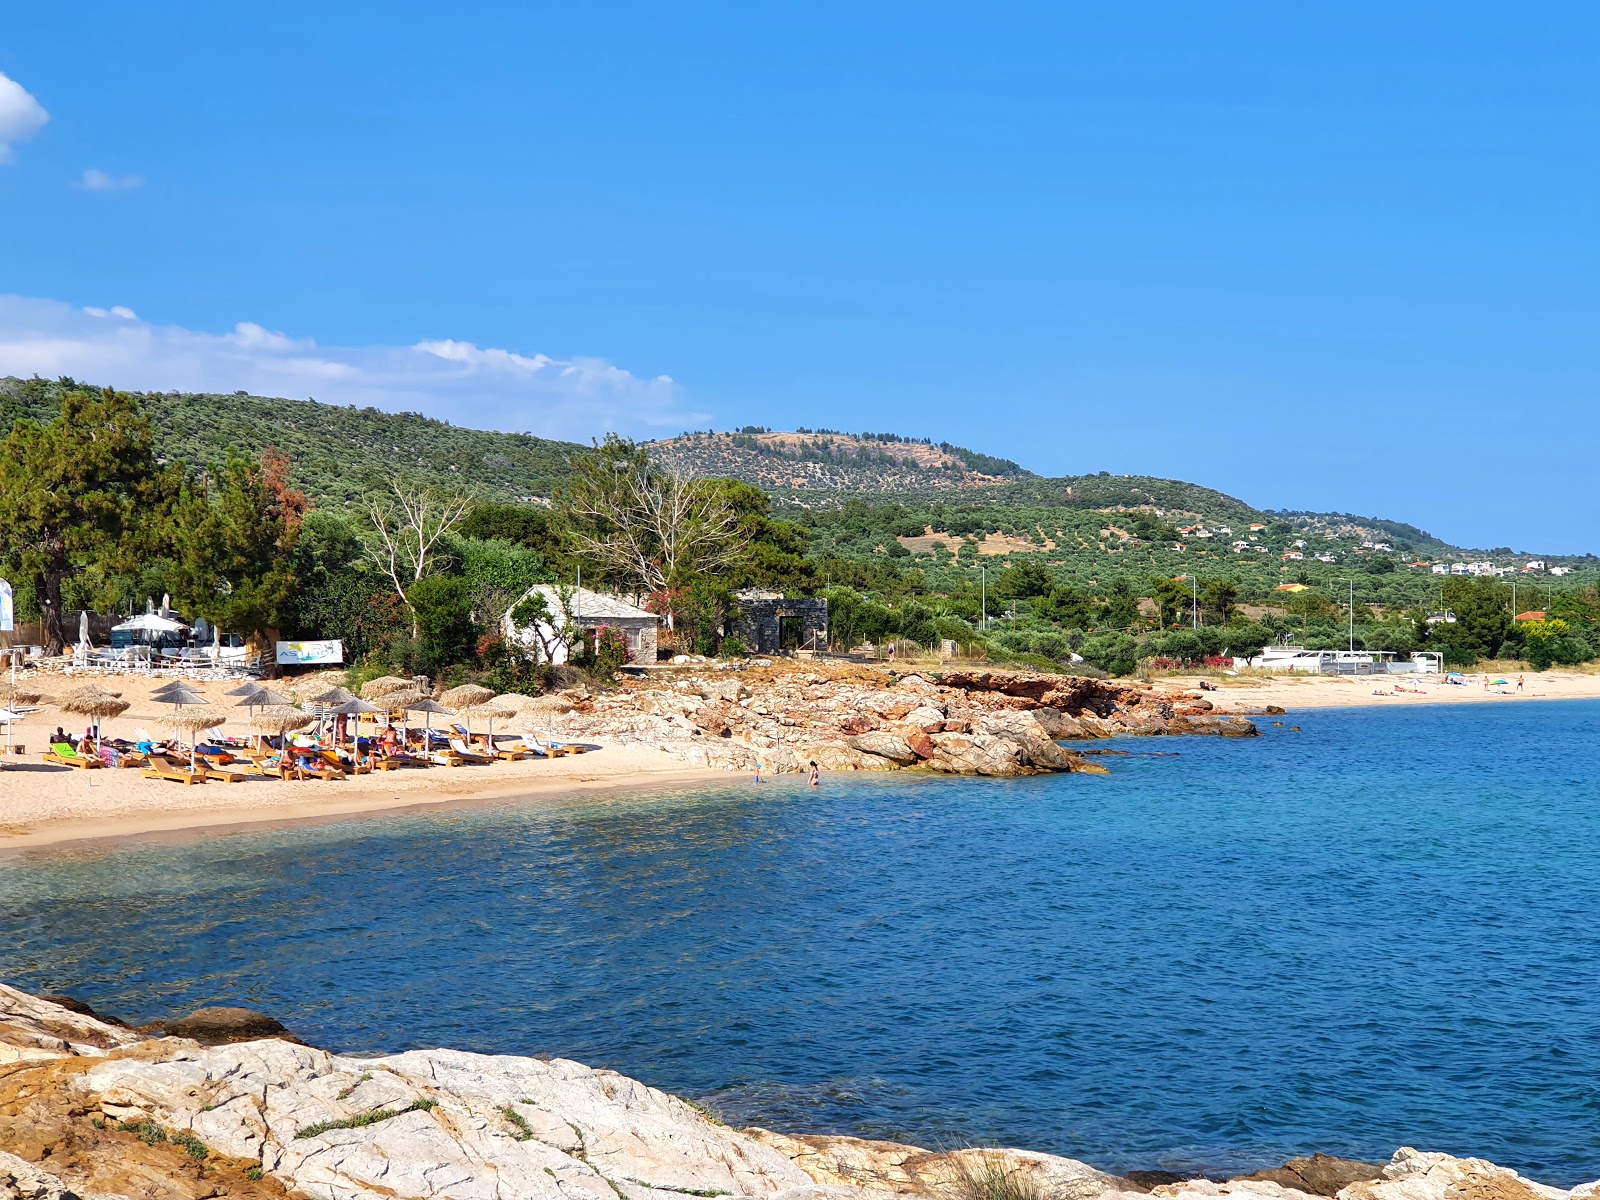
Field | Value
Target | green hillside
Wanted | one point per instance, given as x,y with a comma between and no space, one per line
337,454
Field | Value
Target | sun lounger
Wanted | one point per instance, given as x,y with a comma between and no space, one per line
160,768
504,750
554,749
211,771
67,756
468,755
265,766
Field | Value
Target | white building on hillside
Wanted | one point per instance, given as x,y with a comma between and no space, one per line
577,614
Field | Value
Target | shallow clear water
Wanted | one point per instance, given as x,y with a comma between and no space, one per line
1382,930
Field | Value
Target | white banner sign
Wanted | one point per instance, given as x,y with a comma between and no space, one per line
8,612
307,654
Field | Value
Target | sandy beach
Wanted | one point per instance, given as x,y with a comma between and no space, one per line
43,803
1292,692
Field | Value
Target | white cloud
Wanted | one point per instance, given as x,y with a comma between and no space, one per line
96,180
456,381
21,116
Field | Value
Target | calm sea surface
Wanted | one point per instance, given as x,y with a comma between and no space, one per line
1382,930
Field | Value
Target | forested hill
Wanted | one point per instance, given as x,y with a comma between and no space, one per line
337,454
916,487
818,463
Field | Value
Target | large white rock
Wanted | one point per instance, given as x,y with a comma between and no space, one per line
33,1030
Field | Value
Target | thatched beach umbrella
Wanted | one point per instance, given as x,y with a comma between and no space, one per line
431,708
90,701
488,713
244,689
376,689
355,707
12,695
179,695
330,696
280,719
197,721
264,695
466,695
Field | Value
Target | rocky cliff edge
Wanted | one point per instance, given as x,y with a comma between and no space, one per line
93,1110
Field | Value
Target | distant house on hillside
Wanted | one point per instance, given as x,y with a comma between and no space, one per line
1533,615
586,613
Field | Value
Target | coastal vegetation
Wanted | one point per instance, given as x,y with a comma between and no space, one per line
409,539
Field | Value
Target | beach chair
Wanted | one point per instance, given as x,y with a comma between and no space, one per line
468,755
161,768
318,767
211,771
65,754
507,752
554,749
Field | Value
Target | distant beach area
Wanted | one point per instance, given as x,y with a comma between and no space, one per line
1246,693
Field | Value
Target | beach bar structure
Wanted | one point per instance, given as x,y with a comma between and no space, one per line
1345,662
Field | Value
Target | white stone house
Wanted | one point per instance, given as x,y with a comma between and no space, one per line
578,614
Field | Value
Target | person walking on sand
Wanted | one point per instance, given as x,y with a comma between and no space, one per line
1519,683
813,772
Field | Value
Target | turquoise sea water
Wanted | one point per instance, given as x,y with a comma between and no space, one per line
1382,930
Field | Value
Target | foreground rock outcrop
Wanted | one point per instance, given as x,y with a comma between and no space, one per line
91,1110
855,718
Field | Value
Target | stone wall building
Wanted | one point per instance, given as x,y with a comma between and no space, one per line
589,612
768,623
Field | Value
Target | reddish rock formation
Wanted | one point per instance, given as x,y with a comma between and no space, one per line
966,722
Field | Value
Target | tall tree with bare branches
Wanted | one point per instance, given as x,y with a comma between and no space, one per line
411,522
648,528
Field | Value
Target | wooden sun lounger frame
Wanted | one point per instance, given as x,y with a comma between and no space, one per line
72,759
160,768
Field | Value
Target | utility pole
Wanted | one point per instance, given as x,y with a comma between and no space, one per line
983,577
1194,600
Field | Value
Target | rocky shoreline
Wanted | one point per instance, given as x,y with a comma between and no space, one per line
224,1103
857,718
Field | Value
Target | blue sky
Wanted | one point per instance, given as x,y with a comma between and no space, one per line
1337,257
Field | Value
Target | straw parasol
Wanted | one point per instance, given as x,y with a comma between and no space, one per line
431,708
466,695
375,689
89,701
331,696
196,722
11,694
179,695
488,713
263,695
281,719
354,707
244,689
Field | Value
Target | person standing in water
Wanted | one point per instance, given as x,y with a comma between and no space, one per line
758,770
813,772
